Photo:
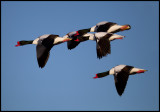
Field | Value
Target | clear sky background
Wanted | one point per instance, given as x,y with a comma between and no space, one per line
66,82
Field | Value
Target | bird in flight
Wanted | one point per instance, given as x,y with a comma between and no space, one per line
102,39
104,26
121,74
44,44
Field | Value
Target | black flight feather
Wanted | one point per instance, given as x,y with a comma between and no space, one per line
43,50
72,44
42,55
103,46
104,27
121,79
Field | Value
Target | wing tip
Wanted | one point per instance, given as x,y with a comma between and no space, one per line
120,94
41,66
101,56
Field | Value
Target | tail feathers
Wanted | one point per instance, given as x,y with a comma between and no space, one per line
100,75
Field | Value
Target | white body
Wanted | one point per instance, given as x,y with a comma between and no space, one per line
39,39
101,35
118,68
111,29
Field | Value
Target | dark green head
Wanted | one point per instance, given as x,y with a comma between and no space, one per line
23,42
100,75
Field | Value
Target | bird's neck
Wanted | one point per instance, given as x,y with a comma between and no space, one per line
83,31
103,74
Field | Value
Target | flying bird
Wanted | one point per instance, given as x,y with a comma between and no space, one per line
121,74
74,37
44,44
102,42
108,27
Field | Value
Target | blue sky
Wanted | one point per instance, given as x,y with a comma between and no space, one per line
66,82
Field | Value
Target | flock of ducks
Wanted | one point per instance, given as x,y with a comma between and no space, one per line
104,33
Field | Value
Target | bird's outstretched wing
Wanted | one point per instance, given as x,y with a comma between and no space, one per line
79,35
42,55
48,42
72,44
121,79
43,50
103,46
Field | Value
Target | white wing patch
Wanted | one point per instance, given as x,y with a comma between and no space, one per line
102,23
118,68
100,34
44,36
93,29
37,40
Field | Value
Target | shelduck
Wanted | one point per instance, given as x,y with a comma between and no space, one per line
74,37
121,74
44,44
102,42
109,27
104,26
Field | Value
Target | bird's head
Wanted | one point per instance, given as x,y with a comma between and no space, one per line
23,42
72,36
18,44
